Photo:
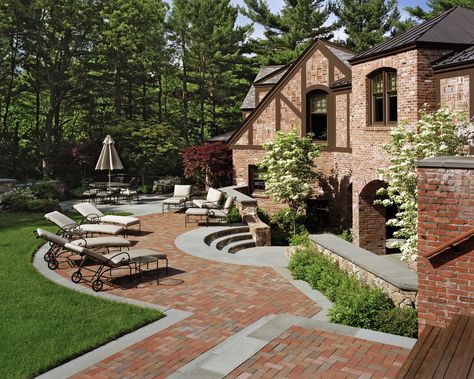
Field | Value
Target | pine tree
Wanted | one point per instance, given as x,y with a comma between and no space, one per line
437,7
366,22
289,32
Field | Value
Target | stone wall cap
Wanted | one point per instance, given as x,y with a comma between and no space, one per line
381,266
239,196
447,162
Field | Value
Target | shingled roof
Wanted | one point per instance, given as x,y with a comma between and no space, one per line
451,29
267,75
457,59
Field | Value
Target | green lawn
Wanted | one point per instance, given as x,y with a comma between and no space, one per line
43,324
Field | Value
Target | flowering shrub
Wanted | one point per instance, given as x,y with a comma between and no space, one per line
437,134
288,169
208,165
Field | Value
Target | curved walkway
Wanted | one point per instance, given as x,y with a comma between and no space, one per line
224,302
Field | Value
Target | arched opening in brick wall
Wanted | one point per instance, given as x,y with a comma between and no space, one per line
372,219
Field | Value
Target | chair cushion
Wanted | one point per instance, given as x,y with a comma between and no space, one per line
146,252
102,242
87,210
101,228
182,191
51,237
197,212
120,220
202,203
229,203
174,200
60,219
214,195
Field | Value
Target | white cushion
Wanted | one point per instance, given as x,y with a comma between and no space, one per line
174,200
102,229
120,220
214,195
201,203
197,212
218,213
102,242
229,203
182,191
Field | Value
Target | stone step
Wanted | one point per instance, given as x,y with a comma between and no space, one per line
225,232
221,242
234,247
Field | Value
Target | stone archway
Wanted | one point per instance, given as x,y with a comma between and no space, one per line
372,219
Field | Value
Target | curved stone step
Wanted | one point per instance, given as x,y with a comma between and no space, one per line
225,232
221,242
234,247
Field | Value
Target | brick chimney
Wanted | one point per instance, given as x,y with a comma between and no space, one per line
445,239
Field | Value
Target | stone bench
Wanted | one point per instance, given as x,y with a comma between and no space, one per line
379,271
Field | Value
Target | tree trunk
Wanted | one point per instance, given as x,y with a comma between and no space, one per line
129,100
185,93
118,93
144,107
160,97
13,51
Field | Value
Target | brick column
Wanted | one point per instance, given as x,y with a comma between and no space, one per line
445,211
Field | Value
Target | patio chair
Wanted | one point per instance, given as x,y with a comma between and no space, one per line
93,215
181,195
212,201
109,262
70,229
131,192
224,213
57,243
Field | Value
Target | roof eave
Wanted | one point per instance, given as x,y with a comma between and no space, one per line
454,66
403,48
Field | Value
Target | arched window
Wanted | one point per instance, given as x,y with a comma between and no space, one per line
318,115
383,97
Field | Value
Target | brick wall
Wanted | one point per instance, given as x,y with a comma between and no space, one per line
415,83
445,211
454,92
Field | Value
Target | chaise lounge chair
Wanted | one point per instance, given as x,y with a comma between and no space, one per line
70,229
224,213
93,215
109,262
212,201
57,245
181,195
207,214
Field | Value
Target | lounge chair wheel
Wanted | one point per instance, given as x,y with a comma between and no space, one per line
48,256
76,277
97,285
53,264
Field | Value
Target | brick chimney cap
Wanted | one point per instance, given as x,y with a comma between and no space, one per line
447,162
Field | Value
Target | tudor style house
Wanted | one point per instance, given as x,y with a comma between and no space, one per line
349,102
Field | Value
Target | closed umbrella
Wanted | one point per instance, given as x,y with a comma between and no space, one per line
109,158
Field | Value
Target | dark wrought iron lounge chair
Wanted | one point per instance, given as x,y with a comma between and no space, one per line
57,251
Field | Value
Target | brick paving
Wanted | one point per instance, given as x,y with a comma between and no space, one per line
312,353
224,299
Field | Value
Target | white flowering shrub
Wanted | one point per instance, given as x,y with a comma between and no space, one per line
288,169
437,134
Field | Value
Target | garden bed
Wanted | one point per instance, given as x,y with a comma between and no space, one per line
355,304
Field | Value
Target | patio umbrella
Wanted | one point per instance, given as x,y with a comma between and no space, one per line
109,159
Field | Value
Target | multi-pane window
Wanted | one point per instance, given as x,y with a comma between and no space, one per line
256,184
384,97
318,115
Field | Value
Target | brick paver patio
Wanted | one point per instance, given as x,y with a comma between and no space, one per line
225,299
310,353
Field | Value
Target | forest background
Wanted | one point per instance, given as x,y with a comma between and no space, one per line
159,76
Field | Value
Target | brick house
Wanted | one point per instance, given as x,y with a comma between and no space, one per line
350,101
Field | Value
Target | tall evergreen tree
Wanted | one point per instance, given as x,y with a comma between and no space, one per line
366,22
289,32
437,7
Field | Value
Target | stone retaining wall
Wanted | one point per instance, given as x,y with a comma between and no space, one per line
402,296
247,207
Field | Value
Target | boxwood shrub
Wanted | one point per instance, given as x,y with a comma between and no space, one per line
355,303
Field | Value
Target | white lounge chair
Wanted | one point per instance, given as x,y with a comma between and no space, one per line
93,215
57,244
212,201
224,213
181,195
70,229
